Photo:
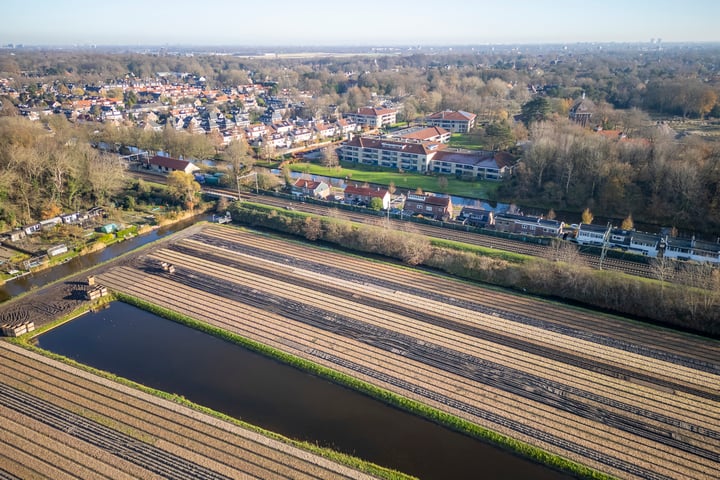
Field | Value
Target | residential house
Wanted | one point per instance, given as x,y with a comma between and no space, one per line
364,195
168,164
278,140
454,121
476,217
301,134
271,116
582,110
311,188
645,243
690,249
589,234
347,126
373,117
255,131
529,225
325,130
432,206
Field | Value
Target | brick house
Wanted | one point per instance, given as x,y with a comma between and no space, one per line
439,208
363,195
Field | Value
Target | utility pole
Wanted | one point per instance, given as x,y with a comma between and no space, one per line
606,244
257,187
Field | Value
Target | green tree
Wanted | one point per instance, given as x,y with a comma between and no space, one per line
499,135
376,204
536,110
130,98
183,188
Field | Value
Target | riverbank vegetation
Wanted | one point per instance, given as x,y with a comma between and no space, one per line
689,303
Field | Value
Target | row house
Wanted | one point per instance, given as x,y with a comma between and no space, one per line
278,140
255,131
477,217
300,135
454,121
373,117
529,225
284,127
432,206
325,130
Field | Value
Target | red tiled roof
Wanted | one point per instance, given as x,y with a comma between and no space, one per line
424,148
365,191
169,163
309,184
375,112
426,133
452,115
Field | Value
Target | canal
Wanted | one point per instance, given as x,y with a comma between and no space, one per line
161,354
26,283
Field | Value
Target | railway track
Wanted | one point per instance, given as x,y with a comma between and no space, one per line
472,238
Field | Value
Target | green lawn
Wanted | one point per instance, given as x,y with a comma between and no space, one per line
411,181
471,141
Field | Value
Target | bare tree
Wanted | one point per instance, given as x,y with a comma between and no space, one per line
663,269
565,252
105,175
328,156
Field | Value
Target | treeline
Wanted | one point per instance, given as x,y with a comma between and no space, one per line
46,169
693,303
674,80
654,178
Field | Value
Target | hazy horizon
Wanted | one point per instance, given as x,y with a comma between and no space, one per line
321,23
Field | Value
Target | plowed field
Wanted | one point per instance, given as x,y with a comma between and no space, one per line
629,400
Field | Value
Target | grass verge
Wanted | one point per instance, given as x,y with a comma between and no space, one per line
406,180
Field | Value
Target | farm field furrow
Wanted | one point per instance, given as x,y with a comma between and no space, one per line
565,320
648,402
46,399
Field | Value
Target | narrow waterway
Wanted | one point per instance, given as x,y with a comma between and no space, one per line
26,283
161,354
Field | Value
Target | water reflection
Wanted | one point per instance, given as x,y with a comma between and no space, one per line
34,280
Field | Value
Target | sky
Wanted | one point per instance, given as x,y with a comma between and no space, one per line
361,22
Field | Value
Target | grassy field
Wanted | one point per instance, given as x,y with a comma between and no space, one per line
411,181
464,140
